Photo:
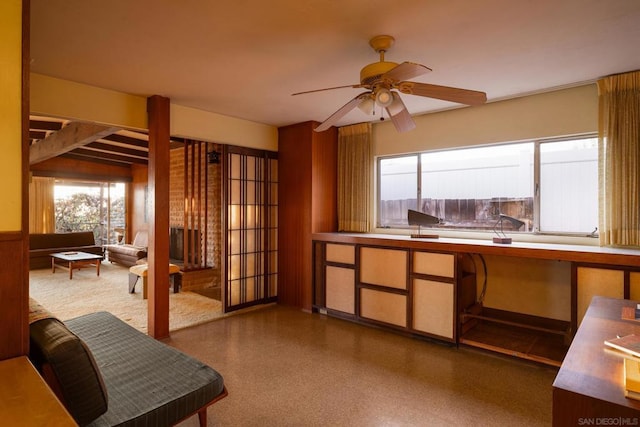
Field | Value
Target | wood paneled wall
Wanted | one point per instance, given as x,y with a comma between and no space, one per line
14,273
60,167
14,295
307,176
137,206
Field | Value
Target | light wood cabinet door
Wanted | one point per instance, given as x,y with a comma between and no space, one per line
597,281
433,307
340,289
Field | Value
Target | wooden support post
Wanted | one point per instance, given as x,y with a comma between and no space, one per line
158,253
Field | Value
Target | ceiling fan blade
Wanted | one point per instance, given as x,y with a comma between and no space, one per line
404,71
399,114
327,88
445,93
341,112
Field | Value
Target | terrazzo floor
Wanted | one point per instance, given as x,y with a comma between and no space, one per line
286,367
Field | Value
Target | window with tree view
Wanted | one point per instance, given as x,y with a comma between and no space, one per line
90,206
552,186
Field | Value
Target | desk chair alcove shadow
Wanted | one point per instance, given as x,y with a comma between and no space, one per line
501,237
422,219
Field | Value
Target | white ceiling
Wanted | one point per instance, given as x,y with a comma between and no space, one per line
244,58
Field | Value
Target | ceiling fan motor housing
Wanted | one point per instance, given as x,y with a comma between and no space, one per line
372,73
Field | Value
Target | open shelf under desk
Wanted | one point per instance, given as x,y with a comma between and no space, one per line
527,337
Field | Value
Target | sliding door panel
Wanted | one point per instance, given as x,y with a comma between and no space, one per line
251,247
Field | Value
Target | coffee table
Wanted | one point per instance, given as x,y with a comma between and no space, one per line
74,261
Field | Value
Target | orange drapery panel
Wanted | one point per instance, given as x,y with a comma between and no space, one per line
354,178
41,205
619,159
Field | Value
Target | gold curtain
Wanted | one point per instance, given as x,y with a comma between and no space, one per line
354,177
619,159
41,205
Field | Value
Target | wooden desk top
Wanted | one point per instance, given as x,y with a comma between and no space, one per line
591,370
26,400
551,251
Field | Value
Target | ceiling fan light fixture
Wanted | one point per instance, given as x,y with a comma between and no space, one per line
384,98
396,105
367,105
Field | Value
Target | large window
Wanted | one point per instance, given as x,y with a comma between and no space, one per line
552,186
90,206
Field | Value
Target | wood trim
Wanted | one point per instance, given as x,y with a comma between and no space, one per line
381,288
21,268
574,298
358,283
10,236
410,290
224,217
319,275
205,256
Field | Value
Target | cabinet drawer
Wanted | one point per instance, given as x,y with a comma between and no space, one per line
434,264
344,254
384,267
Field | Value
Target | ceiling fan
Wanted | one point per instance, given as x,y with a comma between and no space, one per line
383,80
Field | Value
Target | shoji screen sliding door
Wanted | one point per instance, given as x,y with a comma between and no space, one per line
251,196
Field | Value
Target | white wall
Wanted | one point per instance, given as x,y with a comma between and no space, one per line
563,112
65,99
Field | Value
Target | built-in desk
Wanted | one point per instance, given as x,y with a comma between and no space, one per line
26,400
589,387
422,287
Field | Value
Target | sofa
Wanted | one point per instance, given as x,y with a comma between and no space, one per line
128,254
42,245
107,373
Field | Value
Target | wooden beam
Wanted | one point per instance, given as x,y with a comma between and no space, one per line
70,137
102,155
143,154
158,254
45,125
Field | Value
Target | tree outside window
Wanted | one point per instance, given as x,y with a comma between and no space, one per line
90,206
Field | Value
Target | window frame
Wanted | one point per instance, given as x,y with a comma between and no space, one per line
537,142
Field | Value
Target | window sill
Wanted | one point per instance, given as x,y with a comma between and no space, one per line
488,235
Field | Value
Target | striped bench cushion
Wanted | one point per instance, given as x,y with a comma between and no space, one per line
148,382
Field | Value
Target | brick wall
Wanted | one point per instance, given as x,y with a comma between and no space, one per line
210,278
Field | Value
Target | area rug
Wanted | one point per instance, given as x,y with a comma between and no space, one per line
87,293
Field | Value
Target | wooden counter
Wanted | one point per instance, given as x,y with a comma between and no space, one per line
550,251
26,400
589,387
